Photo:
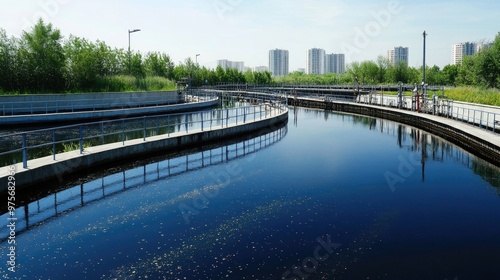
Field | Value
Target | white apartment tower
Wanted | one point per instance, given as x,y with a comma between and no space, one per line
225,64
278,62
398,55
335,63
316,61
463,49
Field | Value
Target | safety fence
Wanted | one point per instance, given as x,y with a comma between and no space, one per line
484,117
29,145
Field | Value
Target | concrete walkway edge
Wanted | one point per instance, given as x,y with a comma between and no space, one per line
43,169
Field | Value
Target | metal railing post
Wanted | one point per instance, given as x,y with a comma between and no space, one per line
168,126
201,121
102,133
186,121
494,122
81,139
481,120
144,128
123,132
25,152
54,143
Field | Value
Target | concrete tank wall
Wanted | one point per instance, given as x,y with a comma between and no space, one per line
36,103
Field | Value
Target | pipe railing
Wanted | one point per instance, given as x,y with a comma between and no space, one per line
25,146
482,118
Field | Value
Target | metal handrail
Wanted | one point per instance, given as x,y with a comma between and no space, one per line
483,119
150,126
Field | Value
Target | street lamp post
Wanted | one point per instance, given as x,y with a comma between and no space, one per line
129,55
423,67
197,58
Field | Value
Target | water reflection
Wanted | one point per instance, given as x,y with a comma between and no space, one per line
430,147
84,194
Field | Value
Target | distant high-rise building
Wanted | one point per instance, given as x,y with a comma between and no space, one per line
335,63
463,49
316,61
482,46
261,69
278,62
398,55
227,64
390,57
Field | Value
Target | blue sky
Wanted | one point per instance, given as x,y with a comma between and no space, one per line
245,30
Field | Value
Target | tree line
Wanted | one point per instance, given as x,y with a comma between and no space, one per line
479,70
41,60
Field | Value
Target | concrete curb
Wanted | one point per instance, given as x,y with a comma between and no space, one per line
103,114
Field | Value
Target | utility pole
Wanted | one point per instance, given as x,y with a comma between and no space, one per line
129,55
423,67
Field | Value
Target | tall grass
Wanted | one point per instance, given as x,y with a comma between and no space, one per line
465,94
73,146
474,95
118,83
129,83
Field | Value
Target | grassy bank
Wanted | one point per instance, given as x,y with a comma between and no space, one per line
466,94
129,83
474,95
120,83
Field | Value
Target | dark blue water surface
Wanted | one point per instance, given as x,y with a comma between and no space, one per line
329,196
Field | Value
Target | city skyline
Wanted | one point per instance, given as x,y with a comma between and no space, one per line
242,30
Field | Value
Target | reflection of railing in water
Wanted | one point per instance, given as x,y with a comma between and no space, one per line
81,195
431,148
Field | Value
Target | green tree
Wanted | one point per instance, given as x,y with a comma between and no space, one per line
158,64
449,75
84,63
7,62
136,66
262,78
467,72
42,53
433,75
398,73
383,65
369,73
488,68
